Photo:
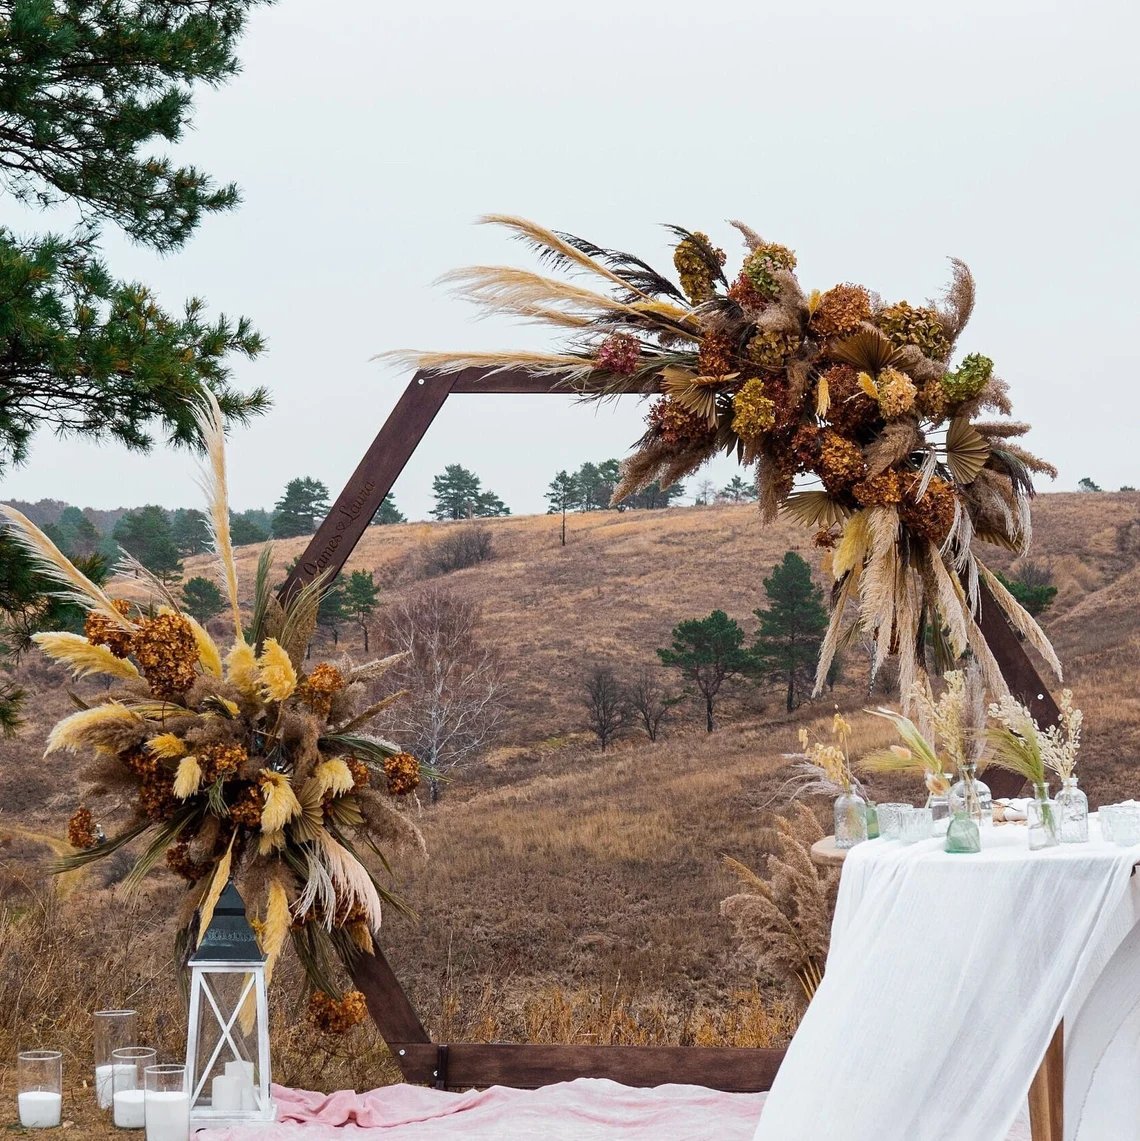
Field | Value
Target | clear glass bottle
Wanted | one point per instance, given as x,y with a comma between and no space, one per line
982,791
1042,819
850,820
963,834
1073,808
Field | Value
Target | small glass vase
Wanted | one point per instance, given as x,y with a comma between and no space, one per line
963,834
939,805
1073,808
872,813
850,820
1042,820
984,813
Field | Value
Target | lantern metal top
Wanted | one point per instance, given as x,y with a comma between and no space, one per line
229,937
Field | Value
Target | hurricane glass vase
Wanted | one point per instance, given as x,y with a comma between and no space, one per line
850,820
1073,808
1042,819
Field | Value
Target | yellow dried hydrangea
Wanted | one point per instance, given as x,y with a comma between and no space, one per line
697,279
897,393
915,325
167,653
770,348
753,413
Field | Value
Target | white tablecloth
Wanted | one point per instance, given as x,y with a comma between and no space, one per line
946,978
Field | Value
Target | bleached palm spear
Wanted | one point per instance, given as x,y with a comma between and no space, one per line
212,480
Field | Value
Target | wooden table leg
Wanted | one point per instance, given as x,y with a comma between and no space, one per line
1047,1093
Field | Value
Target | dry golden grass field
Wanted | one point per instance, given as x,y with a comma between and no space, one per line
568,895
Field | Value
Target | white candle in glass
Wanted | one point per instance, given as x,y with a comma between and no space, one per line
167,1115
130,1108
105,1079
40,1109
225,1092
244,1072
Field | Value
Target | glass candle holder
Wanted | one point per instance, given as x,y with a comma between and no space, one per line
39,1082
114,1029
890,819
167,1103
128,1095
1126,825
917,824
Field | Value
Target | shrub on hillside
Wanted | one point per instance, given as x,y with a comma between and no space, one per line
461,547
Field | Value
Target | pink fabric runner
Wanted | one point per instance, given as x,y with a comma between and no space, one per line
588,1109
581,1110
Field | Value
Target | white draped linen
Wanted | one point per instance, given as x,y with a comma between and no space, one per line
946,978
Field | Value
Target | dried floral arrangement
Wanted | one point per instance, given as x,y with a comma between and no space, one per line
782,918
946,734
1021,745
849,407
238,764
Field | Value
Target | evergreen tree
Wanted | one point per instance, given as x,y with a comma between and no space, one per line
791,631
456,491
145,532
654,497
89,94
1034,593
708,652
388,512
563,495
333,612
738,490
86,92
459,494
301,508
361,597
596,483
189,531
74,533
202,598
1087,484
245,530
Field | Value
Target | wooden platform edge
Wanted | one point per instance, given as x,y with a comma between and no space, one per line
463,1065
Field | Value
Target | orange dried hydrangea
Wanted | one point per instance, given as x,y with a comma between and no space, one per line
402,771
179,862
840,463
167,653
841,311
220,761
319,688
246,808
932,516
99,630
676,425
336,1016
716,356
81,828
879,490
361,777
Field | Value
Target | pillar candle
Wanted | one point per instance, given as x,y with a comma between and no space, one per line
225,1093
167,1116
39,1109
104,1078
130,1108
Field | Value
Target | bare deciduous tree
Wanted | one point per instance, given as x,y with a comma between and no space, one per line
650,702
605,702
456,684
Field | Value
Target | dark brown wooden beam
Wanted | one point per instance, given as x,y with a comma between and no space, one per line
530,1066
1020,675
394,1015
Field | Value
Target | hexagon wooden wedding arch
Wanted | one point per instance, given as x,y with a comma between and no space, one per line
528,1066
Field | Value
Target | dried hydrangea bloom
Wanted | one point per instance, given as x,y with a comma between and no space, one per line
319,688
841,310
336,1016
897,393
753,411
968,379
674,424
691,262
882,490
932,516
717,355
619,354
841,462
81,829
402,771
101,631
915,325
167,653
850,409
762,265
771,348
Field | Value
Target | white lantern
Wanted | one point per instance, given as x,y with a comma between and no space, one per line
227,1044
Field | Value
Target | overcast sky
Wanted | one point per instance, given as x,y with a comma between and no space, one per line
874,138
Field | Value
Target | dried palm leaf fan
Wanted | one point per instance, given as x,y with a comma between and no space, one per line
237,765
849,409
